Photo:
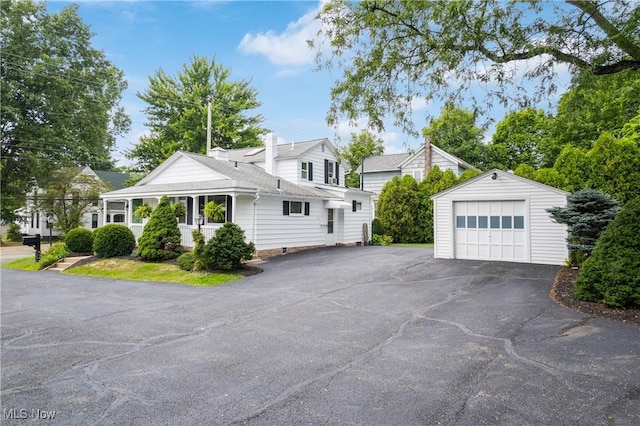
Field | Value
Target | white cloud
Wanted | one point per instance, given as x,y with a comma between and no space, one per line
287,48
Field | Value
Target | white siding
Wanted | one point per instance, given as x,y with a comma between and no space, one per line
443,163
353,221
289,169
547,243
185,170
275,230
374,182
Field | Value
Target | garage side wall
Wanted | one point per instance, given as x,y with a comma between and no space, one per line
546,240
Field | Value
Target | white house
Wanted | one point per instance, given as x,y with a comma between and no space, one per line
376,171
285,197
34,221
499,216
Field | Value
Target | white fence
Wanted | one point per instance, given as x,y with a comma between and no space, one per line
185,230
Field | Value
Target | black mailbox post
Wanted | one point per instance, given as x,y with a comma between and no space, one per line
33,241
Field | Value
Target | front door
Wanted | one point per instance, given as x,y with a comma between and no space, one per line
331,236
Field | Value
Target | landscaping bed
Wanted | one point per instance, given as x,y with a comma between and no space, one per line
562,293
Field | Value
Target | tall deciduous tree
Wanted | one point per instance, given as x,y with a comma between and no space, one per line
177,113
456,132
361,145
59,101
390,52
520,138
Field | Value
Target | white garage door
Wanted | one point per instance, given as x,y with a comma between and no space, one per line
490,230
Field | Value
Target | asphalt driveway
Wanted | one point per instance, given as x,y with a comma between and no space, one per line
361,335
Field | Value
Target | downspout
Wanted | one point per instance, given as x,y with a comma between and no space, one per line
255,220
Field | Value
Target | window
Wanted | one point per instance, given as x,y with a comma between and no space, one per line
306,171
118,218
94,221
460,221
331,172
356,205
506,222
471,221
495,222
295,208
135,203
482,222
108,218
518,222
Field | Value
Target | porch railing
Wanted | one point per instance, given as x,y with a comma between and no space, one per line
186,239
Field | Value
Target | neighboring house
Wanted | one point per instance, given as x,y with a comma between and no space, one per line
285,197
34,221
499,216
378,170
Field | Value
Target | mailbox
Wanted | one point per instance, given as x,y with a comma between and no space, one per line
33,241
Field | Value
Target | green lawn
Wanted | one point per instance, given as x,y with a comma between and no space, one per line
127,269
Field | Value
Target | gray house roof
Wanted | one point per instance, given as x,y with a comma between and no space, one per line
115,180
256,154
244,176
384,163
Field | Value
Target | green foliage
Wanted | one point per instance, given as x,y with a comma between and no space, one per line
573,164
186,261
520,138
214,211
177,112
161,236
59,98
178,210
587,214
69,196
52,255
198,247
612,274
144,211
227,250
435,182
377,227
390,54
456,132
397,207
525,171
13,233
113,240
381,240
362,145
79,240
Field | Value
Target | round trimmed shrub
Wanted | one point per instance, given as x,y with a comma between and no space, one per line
227,250
160,239
113,240
186,261
79,240
377,228
612,274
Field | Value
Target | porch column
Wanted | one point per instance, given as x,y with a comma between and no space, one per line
234,207
105,208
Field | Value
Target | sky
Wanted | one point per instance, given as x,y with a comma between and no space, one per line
264,42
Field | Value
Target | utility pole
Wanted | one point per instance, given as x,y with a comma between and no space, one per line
208,125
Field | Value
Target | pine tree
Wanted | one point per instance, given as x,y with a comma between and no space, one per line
161,236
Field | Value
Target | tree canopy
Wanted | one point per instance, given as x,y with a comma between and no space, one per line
60,98
177,113
391,52
361,145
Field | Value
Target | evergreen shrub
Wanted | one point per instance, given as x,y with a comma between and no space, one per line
53,254
79,240
186,261
227,250
377,228
113,240
160,239
612,274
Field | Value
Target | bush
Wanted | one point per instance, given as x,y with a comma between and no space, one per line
227,250
381,240
79,240
53,254
113,240
161,236
13,233
612,274
377,227
186,261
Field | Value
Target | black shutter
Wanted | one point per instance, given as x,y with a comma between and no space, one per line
306,208
310,166
326,171
285,208
353,205
337,174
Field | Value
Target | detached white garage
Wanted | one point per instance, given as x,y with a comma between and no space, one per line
499,216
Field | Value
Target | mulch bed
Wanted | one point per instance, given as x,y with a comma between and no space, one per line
562,293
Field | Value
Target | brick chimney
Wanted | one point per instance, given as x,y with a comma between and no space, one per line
427,155
270,153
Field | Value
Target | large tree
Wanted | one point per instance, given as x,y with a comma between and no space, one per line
59,101
177,113
393,51
456,132
361,145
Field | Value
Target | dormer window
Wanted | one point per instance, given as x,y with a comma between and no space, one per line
331,175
